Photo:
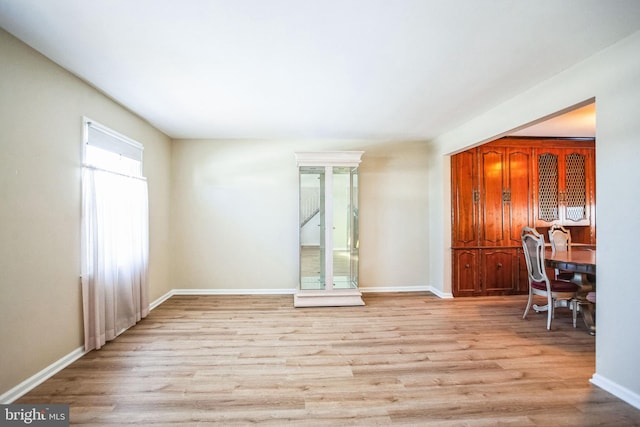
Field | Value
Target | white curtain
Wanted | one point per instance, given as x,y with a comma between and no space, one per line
115,254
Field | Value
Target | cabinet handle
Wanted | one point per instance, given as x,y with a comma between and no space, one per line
467,266
562,196
499,265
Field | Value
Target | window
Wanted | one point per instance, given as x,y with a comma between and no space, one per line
115,234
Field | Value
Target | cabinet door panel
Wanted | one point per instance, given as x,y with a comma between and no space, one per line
499,271
465,272
464,177
492,220
519,193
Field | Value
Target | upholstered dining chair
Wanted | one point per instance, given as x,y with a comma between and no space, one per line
560,239
539,283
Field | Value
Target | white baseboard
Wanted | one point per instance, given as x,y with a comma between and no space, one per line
617,390
234,291
440,294
162,299
37,379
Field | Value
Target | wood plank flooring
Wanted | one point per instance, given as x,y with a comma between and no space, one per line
402,359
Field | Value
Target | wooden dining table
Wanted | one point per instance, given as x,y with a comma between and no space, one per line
582,262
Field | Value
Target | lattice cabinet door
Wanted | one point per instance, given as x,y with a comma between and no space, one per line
563,186
547,187
576,197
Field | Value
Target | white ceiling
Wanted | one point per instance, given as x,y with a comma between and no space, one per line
364,69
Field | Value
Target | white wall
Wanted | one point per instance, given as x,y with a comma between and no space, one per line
613,78
41,109
235,213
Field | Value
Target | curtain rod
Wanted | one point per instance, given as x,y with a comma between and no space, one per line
141,178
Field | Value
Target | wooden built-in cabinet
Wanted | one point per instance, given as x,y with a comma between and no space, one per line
503,186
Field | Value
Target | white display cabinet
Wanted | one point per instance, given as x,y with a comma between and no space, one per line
329,242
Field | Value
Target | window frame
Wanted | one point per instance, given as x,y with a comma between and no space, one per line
102,137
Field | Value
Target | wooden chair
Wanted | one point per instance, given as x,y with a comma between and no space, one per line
539,284
560,239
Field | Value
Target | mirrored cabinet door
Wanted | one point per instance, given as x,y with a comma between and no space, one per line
312,228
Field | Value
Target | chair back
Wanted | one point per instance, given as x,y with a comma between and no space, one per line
533,246
560,238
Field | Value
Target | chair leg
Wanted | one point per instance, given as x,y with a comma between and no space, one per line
526,310
552,304
574,305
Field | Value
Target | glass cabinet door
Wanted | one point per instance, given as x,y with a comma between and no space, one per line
312,228
345,245
354,236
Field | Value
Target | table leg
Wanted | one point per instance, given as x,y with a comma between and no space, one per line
586,307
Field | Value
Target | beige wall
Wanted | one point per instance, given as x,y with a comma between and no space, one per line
394,241
235,213
41,109
613,78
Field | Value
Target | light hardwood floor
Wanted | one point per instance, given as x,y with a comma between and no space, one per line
403,359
